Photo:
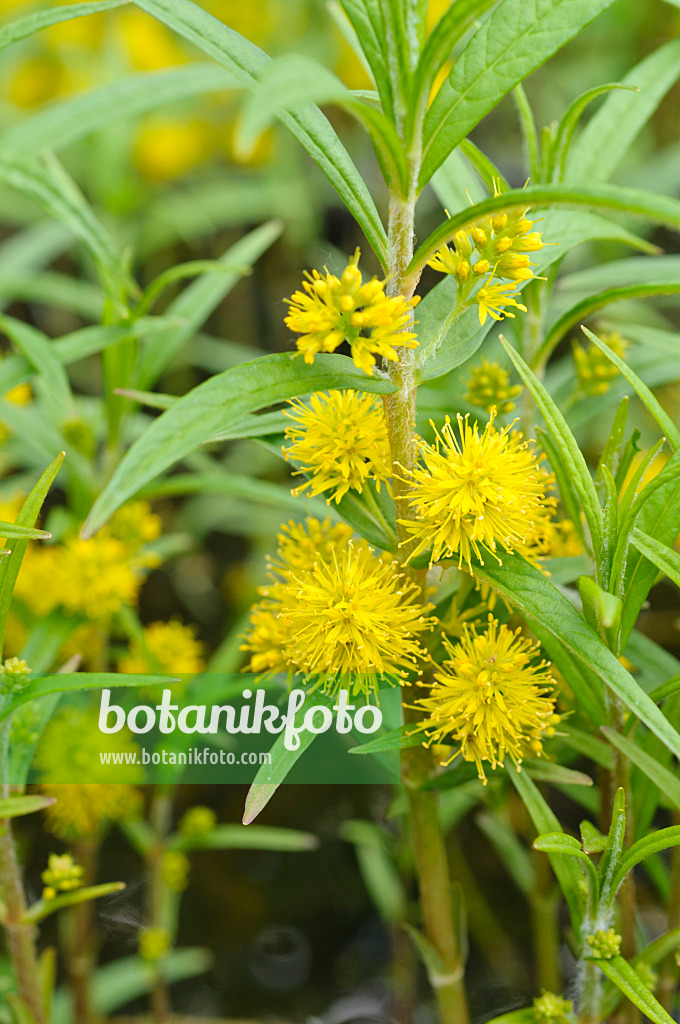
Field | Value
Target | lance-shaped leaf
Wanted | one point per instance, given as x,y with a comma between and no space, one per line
628,981
212,406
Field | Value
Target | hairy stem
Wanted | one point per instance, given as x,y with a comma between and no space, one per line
161,811
426,836
21,936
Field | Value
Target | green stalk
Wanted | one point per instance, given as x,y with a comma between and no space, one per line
429,849
21,936
161,814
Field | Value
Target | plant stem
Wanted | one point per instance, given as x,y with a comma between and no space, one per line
21,936
81,940
544,904
161,811
417,763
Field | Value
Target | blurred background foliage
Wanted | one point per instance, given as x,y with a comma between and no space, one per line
293,936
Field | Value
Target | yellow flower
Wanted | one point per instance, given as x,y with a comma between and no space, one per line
341,439
332,310
168,148
549,1008
493,299
69,753
354,620
154,943
489,386
300,545
343,615
168,647
563,540
491,698
175,870
198,822
604,945
476,494
135,524
594,370
62,874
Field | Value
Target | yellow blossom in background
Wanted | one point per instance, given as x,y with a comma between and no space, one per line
94,577
475,493
175,870
299,545
88,642
67,755
332,310
62,874
489,386
595,372
198,822
491,698
563,540
168,148
265,639
340,438
167,647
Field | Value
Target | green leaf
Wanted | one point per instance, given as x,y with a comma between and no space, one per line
10,531
17,806
608,136
651,955
195,304
443,342
592,839
9,568
377,868
666,781
526,588
560,844
646,397
396,739
663,557
253,837
636,202
43,908
666,689
310,127
67,682
60,124
367,22
628,981
38,350
573,460
270,776
121,981
659,518
566,872
27,26
222,399
586,307
611,857
601,610
662,839
570,120
297,81
515,40
48,185
437,50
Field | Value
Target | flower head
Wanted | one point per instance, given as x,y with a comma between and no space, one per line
340,438
489,386
62,874
198,822
595,372
331,310
476,493
69,752
491,697
604,945
342,616
165,647
549,1008
154,944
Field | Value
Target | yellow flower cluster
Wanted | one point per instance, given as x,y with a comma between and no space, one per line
340,616
198,822
491,698
489,387
549,1008
166,647
68,753
494,250
331,310
594,371
175,870
475,493
62,874
95,577
154,944
604,945
340,438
